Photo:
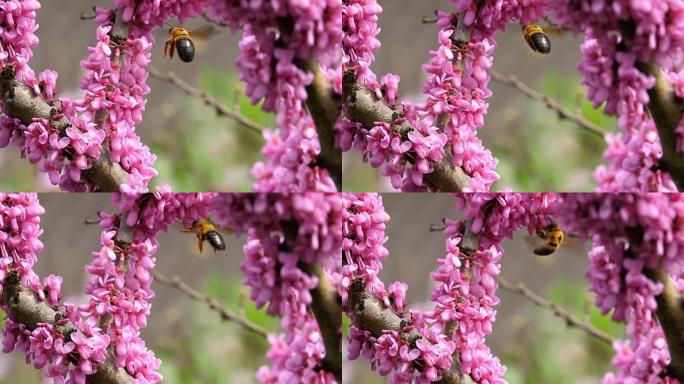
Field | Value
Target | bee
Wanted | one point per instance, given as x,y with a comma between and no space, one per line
536,38
206,230
180,39
553,237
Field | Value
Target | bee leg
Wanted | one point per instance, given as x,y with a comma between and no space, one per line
166,48
172,46
200,243
541,234
187,230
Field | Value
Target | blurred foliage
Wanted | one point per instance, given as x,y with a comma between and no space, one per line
16,174
202,151
359,176
346,323
537,151
545,350
546,153
206,349
196,149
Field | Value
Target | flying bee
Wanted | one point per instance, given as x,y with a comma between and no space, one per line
553,237
180,39
206,230
536,38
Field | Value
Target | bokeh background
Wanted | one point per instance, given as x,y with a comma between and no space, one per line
195,346
536,150
196,149
535,345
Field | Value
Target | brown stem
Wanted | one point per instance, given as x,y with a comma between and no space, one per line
326,306
23,104
25,307
363,107
666,110
670,310
328,313
118,36
324,106
371,315
670,314
322,103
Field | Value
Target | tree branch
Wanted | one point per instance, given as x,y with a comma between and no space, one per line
665,108
221,109
118,36
363,107
24,307
570,320
322,103
225,313
670,314
513,81
326,306
371,315
24,105
670,310
327,310
324,106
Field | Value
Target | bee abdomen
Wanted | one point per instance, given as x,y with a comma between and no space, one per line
544,250
186,49
216,240
539,42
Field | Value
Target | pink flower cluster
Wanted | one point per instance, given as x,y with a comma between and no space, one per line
465,293
390,353
114,96
278,36
45,347
120,283
285,232
619,35
119,287
40,141
456,91
633,235
464,296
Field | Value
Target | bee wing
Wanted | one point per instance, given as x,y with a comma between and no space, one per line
218,228
555,31
535,240
204,32
223,229
540,247
572,240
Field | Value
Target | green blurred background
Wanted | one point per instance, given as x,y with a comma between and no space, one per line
194,344
196,149
535,345
536,150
